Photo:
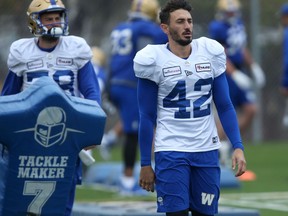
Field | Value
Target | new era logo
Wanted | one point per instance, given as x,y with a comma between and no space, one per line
188,73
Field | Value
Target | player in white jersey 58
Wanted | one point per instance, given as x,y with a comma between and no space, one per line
179,82
66,59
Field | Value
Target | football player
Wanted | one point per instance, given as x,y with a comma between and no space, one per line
179,82
284,79
53,53
229,30
127,38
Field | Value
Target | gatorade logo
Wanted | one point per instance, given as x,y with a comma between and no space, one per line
207,199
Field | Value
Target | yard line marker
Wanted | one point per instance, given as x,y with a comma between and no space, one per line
264,200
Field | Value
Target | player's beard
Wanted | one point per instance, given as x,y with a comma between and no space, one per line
183,42
49,38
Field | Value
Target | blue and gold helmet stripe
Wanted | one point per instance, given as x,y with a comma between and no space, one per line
53,2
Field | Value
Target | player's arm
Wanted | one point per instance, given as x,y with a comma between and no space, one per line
89,88
144,68
88,83
229,122
226,111
147,100
12,84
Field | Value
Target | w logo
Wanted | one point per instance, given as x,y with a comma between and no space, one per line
207,199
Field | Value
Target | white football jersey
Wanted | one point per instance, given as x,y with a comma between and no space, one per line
185,120
62,64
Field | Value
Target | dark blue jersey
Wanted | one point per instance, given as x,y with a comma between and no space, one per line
44,130
232,37
127,38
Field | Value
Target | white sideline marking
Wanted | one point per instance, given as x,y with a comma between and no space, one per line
277,201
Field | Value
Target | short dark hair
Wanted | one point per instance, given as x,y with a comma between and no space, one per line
171,6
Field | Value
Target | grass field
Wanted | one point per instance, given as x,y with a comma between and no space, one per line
267,160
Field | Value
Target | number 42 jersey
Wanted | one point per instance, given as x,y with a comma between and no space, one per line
185,120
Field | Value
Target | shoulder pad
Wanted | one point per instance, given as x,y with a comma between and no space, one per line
146,56
16,51
19,46
78,46
212,46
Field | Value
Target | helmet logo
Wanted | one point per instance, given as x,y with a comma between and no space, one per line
50,128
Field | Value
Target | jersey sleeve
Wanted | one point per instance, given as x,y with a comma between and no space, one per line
226,111
12,85
147,91
145,64
88,83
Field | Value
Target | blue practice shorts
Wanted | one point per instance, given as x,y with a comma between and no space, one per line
187,181
125,99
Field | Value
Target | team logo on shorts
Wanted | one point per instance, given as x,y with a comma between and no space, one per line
50,128
207,199
160,200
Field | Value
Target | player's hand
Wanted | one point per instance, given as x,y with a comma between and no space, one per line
238,161
258,75
241,79
147,178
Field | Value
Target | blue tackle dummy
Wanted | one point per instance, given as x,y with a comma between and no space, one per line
44,130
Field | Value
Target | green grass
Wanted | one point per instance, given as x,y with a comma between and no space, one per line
267,160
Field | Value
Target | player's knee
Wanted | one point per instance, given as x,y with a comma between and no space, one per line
179,213
195,213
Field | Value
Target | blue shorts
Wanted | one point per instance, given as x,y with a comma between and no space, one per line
125,99
187,181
